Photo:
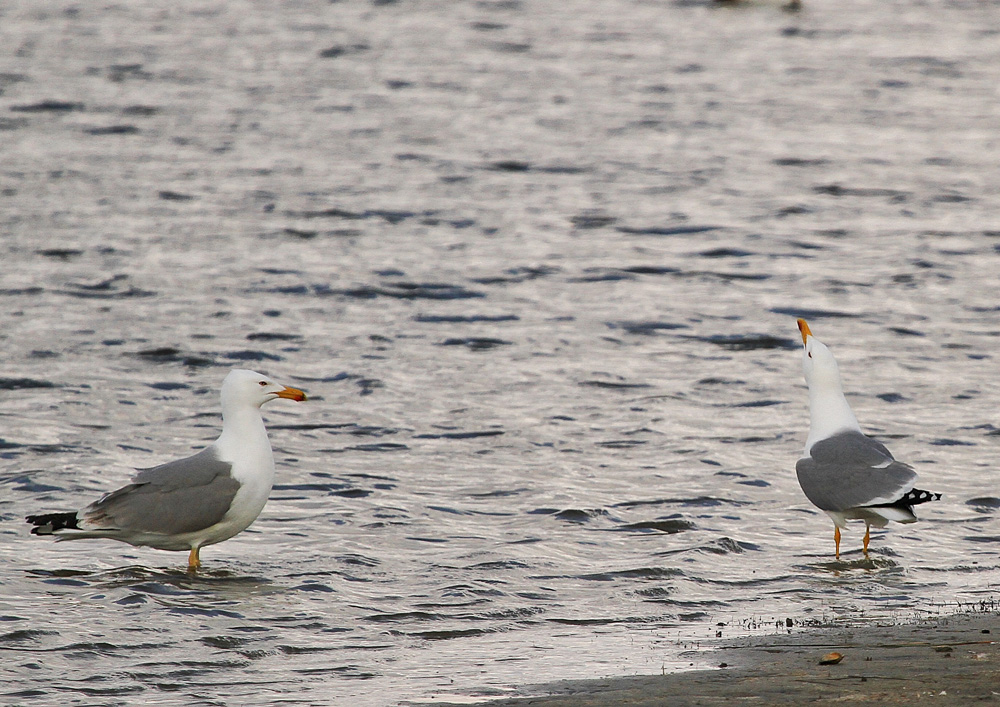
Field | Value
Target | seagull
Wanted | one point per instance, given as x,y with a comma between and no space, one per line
842,471
196,501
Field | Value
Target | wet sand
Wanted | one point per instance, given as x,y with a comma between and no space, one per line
947,661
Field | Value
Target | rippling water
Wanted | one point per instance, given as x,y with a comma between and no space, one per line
538,266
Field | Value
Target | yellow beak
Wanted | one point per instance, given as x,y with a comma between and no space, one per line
804,329
292,394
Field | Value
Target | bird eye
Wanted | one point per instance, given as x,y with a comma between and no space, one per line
810,354
264,383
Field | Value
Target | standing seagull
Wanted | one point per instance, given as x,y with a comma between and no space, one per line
843,472
196,501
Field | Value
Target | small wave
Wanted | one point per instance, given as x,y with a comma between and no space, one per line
476,343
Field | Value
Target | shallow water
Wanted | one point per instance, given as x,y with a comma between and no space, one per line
538,267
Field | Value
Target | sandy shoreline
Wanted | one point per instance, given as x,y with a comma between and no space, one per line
946,661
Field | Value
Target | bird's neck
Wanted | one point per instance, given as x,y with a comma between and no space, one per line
243,435
829,414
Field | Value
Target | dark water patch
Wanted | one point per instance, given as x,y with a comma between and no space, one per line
273,336
249,355
9,78
891,397
199,611
510,47
732,276
339,50
476,343
497,565
982,538
117,73
499,493
167,386
113,130
509,166
300,233
48,106
314,587
725,253
614,385
666,230
592,221
24,383
351,493
464,318
515,275
29,485
650,270
167,195
609,621
225,642
378,447
487,26
578,515
903,331
984,504
755,404
561,169
22,635
8,124
794,210
161,352
140,111
305,650
759,483
404,616
37,448
109,288
669,526
720,381
951,198
348,672
653,573
389,216
602,275
170,354
60,253
837,190
696,502
460,435
410,290
801,162
727,546
944,442
803,313
18,291
645,328
450,634
749,342
620,443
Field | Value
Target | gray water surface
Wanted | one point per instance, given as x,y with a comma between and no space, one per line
538,266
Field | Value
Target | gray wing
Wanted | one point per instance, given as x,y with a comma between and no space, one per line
182,496
850,470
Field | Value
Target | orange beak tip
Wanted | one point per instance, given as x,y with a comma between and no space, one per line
803,329
293,394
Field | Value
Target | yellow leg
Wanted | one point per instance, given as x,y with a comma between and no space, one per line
194,562
836,539
868,538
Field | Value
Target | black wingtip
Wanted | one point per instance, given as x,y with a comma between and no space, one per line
48,523
917,496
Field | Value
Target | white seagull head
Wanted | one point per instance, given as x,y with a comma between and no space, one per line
818,364
243,388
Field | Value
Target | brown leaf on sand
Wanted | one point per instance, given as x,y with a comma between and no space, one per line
831,659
